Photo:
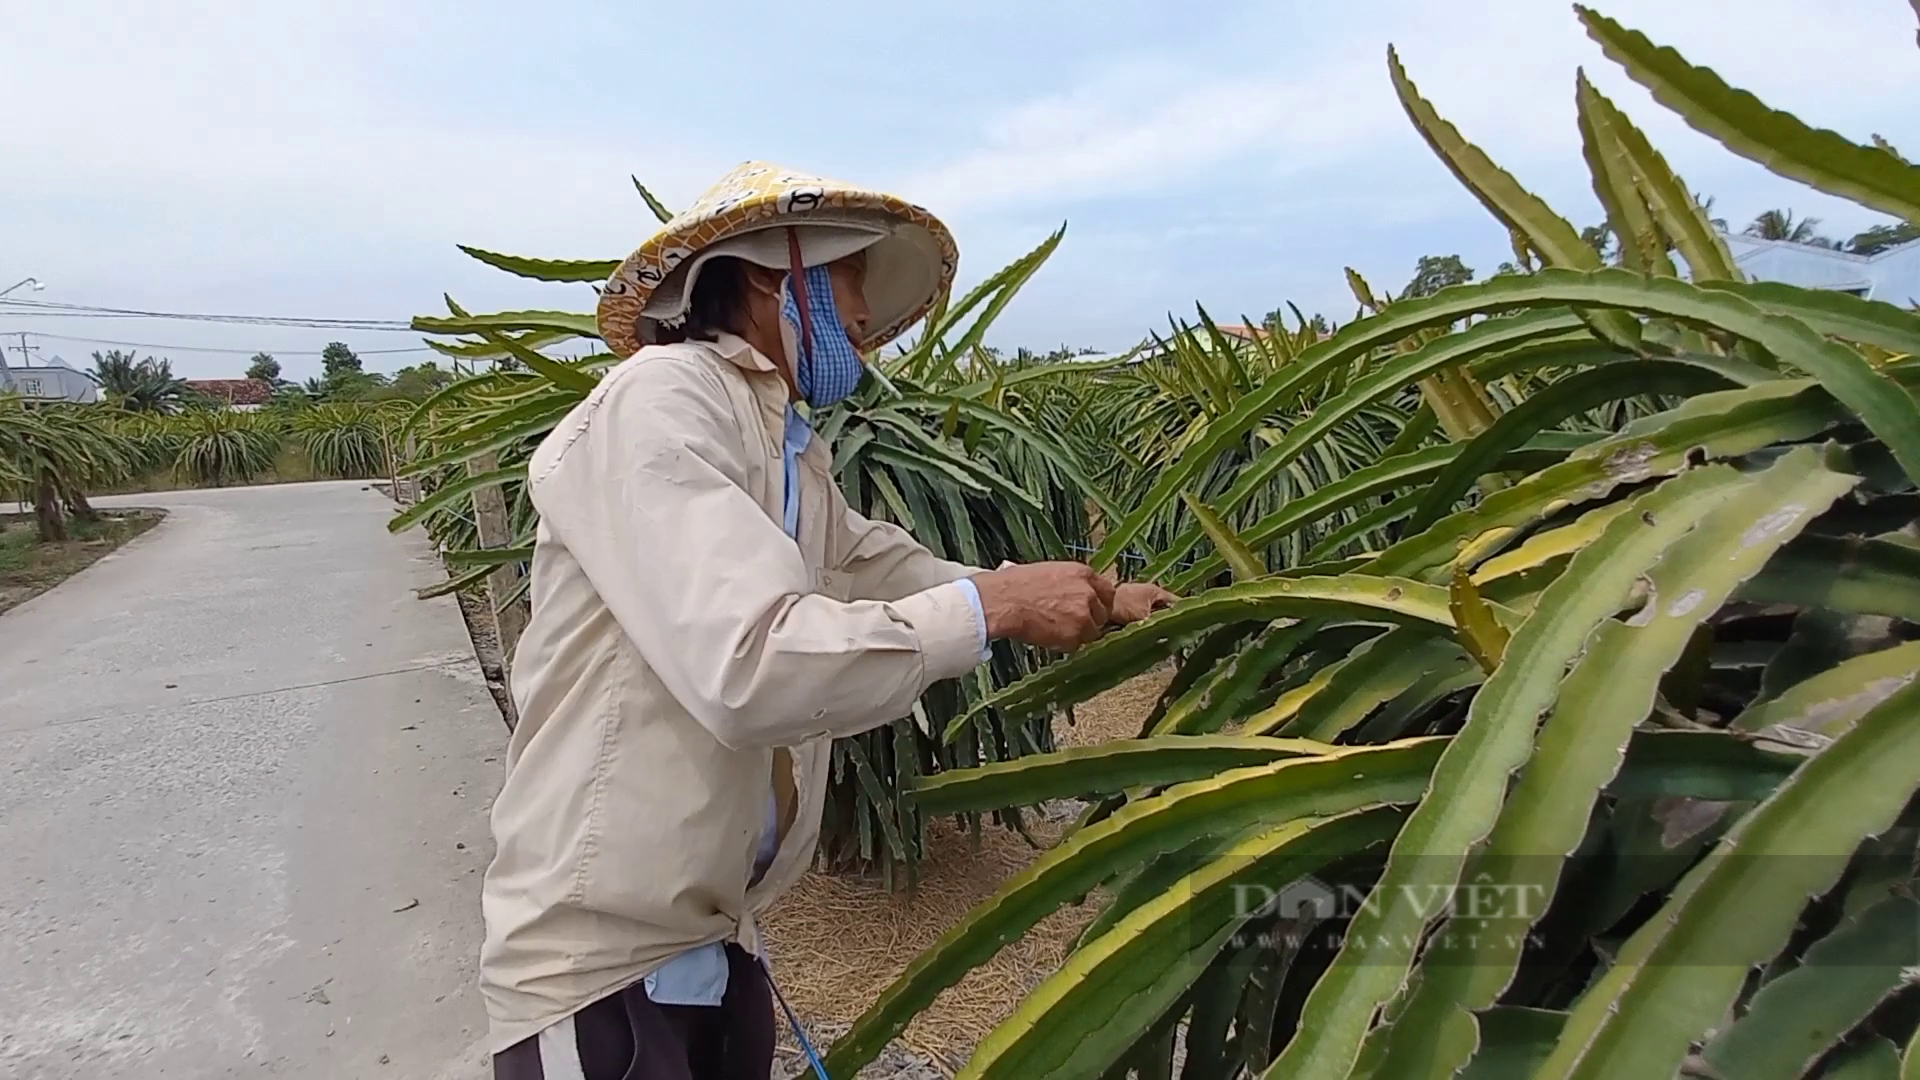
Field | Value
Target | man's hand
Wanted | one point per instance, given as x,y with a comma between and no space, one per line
1055,605
1135,600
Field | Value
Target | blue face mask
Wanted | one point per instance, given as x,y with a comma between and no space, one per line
828,368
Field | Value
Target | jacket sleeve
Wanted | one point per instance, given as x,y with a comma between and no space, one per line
644,486
884,561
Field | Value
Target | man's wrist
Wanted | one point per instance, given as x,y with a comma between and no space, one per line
1001,615
972,592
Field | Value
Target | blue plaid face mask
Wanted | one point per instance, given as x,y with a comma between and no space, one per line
827,367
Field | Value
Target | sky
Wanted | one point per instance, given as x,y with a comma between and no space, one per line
323,160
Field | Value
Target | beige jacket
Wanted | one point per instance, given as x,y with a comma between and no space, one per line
678,639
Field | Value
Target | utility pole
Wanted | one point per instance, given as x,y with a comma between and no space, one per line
26,354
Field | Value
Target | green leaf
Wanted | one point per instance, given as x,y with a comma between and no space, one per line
546,269
1676,976
659,209
1643,246
1125,653
1378,385
481,350
1874,1059
946,466
490,556
932,352
1041,443
1483,636
481,421
1840,314
1468,784
460,391
1743,124
1612,686
575,324
1245,564
452,494
456,583
1517,208
1669,199
1287,790
1109,767
1881,402
1375,674
1866,577
881,804
1550,406
1084,1017
1718,425
1794,1019
1709,765
1513,1041
1209,705
1831,701
565,376
1216,998
500,439
1387,475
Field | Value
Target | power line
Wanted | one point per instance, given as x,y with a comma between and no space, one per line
198,349
49,309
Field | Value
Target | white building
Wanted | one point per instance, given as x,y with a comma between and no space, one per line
1893,275
50,381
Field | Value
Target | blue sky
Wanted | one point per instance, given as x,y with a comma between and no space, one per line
323,159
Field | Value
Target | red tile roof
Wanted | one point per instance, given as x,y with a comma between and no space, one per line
234,391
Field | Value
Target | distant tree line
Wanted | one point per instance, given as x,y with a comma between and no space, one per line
148,384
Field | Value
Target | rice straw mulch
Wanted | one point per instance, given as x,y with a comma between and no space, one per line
838,940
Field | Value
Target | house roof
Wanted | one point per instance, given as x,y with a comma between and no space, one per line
1892,275
1243,331
234,391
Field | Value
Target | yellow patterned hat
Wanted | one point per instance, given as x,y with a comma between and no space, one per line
911,256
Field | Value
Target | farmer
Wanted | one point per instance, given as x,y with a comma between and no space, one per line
708,614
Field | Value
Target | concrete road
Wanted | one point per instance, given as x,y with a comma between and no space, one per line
244,777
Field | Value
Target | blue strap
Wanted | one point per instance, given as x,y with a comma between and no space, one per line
793,1020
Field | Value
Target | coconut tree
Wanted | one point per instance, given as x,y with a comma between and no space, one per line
1782,225
146,385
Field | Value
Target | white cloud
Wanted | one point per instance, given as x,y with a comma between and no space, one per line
1502,72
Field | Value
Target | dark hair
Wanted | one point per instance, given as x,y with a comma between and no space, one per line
718,301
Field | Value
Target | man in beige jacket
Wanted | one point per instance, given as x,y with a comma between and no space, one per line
708,614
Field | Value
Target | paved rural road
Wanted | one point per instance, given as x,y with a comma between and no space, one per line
244,776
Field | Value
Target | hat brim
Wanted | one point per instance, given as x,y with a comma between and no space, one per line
911,255
903,267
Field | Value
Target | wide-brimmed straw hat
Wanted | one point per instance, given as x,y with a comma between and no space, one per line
911,256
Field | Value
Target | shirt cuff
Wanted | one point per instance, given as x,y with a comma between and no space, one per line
979,616
944,622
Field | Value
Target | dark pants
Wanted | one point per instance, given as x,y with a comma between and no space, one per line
628,1037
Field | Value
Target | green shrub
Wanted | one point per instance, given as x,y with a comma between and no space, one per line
346,440
220,446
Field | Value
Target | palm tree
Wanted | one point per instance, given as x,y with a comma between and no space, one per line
145,385
1782,225
1705,202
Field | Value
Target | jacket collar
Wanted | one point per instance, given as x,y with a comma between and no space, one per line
735,348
